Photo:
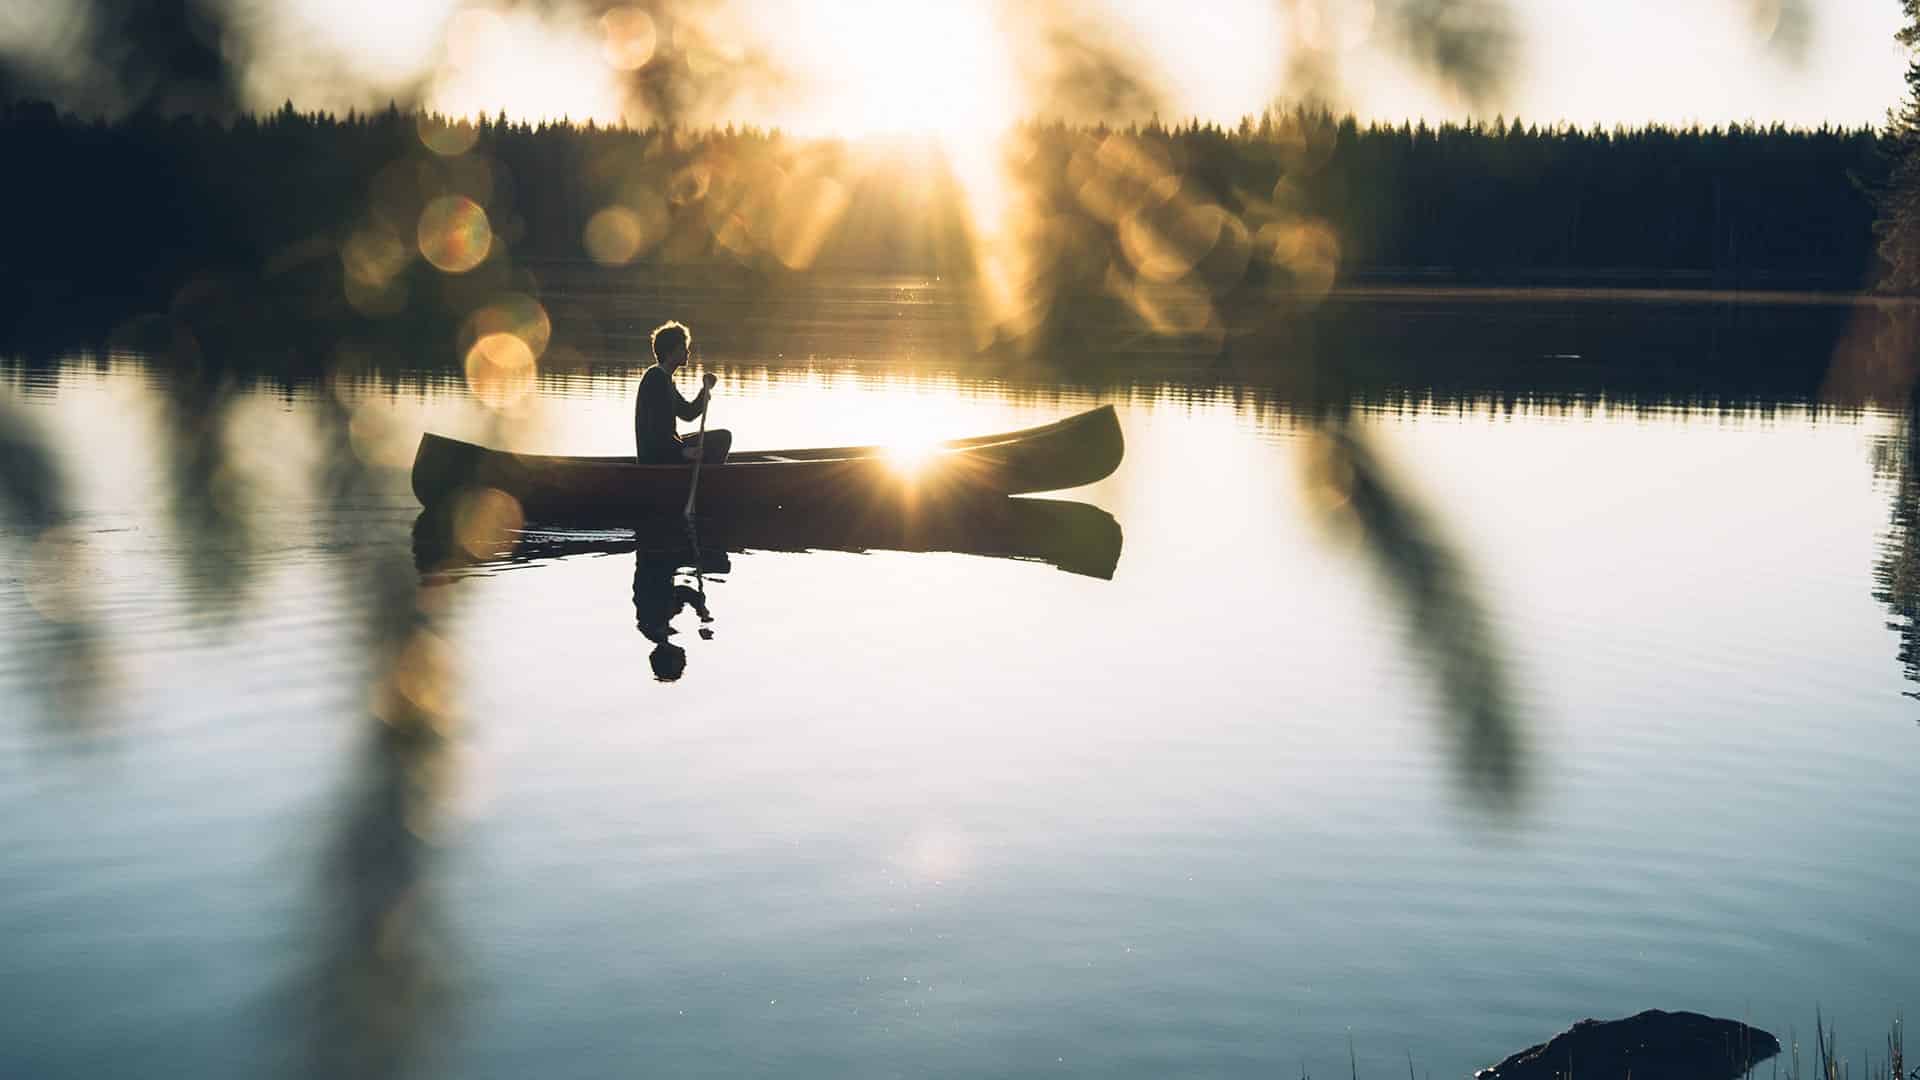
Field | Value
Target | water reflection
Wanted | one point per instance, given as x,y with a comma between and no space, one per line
1072,536
384,978
384,987
659,598
1897,572
33,508
1449,627
672,562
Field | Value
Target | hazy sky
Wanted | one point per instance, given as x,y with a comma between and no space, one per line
864,65
1680,60
1614,61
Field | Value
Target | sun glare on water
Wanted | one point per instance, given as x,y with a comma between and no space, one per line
910,455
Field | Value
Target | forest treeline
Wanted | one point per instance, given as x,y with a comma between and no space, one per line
92,207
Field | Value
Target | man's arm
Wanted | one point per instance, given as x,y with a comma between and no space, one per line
689,410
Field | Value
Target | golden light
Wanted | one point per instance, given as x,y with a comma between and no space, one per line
500,370
531,65
879,67
447,136
808,210
614,236
326,54
418,687
629,38
454,234
1307,249
1164,243
908,455
512,313
485,521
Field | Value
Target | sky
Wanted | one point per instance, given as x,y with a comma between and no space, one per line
1682,60
867,66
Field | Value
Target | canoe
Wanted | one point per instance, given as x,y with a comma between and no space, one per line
1065,454
1072,536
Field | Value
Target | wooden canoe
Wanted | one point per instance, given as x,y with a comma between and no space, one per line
1065,454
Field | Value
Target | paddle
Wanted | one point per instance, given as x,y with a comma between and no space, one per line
701,447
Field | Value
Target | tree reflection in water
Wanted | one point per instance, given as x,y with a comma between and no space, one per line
386,975
34,515
1897,572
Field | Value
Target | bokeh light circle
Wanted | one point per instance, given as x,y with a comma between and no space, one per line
501,369
447,136
454,234
613,236
485,520
629,38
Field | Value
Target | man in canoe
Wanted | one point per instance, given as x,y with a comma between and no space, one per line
658,403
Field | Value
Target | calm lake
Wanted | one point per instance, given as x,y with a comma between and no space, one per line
1212,780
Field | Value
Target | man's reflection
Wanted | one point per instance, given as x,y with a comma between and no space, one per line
659,597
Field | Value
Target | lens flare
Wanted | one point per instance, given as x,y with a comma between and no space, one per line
1308,250
417,689
630,38
512,313
1166,242
908,456
485,521
454,234
446,136
501,370
614,236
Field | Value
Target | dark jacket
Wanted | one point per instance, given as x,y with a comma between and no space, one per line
655,406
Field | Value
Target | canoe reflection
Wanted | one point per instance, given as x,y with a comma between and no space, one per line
672,561
1072,536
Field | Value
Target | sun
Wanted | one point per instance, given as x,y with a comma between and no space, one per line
866,68
533,68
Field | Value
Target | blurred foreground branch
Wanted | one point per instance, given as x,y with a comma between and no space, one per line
1449,627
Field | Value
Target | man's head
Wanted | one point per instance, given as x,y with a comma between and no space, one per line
669,662
670,343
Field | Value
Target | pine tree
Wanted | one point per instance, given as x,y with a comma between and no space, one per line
1898,224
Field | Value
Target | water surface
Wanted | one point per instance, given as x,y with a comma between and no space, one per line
1213,802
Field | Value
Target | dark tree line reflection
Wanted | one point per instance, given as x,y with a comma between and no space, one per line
1897,573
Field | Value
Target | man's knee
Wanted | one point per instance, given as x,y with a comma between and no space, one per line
718,443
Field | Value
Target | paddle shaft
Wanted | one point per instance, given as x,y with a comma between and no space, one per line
701,447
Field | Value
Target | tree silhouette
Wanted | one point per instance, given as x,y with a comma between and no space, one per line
1898,226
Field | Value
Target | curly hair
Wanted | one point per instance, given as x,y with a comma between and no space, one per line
669,334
